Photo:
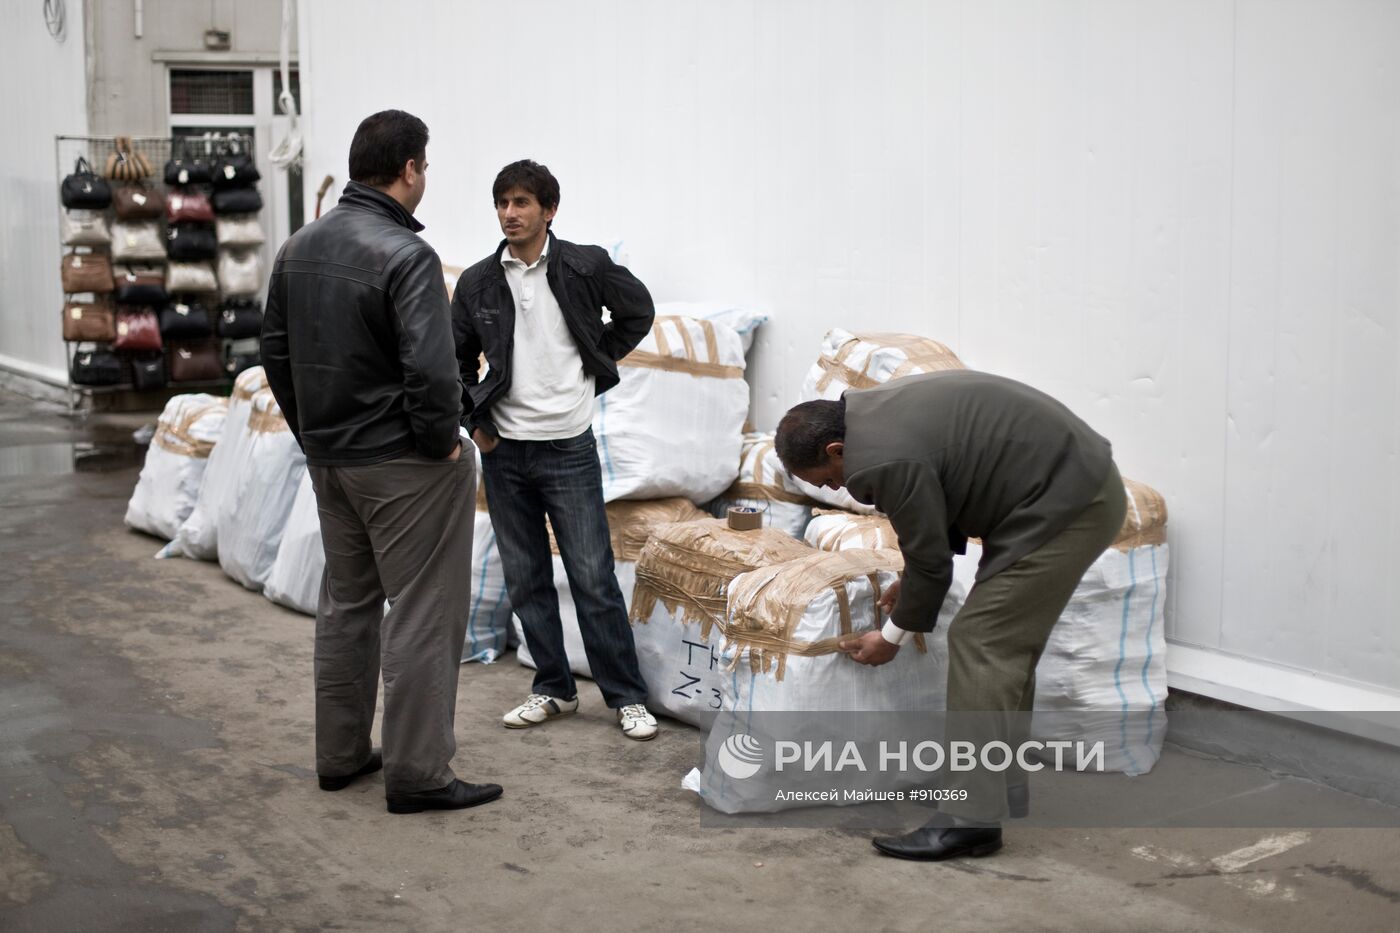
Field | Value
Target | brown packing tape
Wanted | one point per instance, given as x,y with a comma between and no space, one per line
1146,521
630,523
760,487
743,518
923,355
689,363
266,416
175,437
249,383
865,531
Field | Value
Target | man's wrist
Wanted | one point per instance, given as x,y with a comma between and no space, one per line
893,633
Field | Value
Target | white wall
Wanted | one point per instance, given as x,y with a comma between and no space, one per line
1181,217
44,96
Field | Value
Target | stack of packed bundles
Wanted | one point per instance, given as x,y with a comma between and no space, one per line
263,483
1103,675
197,537
488,618
781,655
674,425
630,525
862,361
295,578
764,484
683,578
170,480
744,320
835,530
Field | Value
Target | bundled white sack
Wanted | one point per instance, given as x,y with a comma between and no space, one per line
630,525
263,484
170,479
764,484
295,578
781,638
744,321
674,425
489,617
197,537
679,608
840,531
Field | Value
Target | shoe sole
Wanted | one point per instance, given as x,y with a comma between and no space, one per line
987,848
641,738
420,808
531,725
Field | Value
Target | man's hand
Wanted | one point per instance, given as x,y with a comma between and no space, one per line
890,597
483,441
870,648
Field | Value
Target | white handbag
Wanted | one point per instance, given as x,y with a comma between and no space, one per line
137,240
190,277
239,230
85,228
240,272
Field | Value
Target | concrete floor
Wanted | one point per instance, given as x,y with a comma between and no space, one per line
156,774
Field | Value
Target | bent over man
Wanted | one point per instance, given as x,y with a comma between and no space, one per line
948,456
357,344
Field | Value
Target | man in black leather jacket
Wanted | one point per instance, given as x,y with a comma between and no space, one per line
357,346
534,307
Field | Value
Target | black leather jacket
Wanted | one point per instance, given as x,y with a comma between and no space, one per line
583,280
357,336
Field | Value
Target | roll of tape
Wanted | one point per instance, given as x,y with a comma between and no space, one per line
743,518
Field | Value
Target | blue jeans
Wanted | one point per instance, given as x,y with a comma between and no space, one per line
525,481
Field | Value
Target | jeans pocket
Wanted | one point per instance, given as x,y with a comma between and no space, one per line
576,444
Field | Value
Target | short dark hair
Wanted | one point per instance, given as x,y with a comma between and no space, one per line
533,177
383,143
805,431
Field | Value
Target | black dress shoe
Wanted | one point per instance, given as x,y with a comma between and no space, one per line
376,761
455,796
935,843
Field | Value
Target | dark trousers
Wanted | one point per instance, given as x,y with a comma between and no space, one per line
400,530
525,482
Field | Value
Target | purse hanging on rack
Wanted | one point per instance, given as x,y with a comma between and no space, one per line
137,329
138,202
84,228
96,367
186,277
191,242
148,372
191,206
141,284
196,363
137,241
239,319
239,230
89,321
84,188
240,272
237,201
181,321
87,272
236,168
125,163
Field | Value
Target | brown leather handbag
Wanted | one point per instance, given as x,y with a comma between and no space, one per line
84,320
138,202
125,163
87,272
196,362
137,329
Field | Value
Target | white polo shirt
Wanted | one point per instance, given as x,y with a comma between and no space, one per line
550,396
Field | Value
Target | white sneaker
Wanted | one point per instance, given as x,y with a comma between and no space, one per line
636,722
536,709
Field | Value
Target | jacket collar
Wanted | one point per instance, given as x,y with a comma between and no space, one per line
377,202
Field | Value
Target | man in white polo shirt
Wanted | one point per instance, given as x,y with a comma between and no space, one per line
534,307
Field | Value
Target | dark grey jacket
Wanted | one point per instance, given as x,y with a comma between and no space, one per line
357,336
955,455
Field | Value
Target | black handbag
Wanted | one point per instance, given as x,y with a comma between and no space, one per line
140,285
239,320
191,242
188,172
237,362
180,321
148,372
97,368
235,171
237,201
85,188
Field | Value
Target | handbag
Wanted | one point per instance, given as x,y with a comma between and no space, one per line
91,321
188,172
80,227
240,272
96,367
137,240
185,206
138,202
180,321
125,163
189,242
148,372
236,170
190,277
239,230
240,319
84,189
141,284
237,201
87,272
238,362
198,363
137,329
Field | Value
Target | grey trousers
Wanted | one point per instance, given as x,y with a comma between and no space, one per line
996,640
400,530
